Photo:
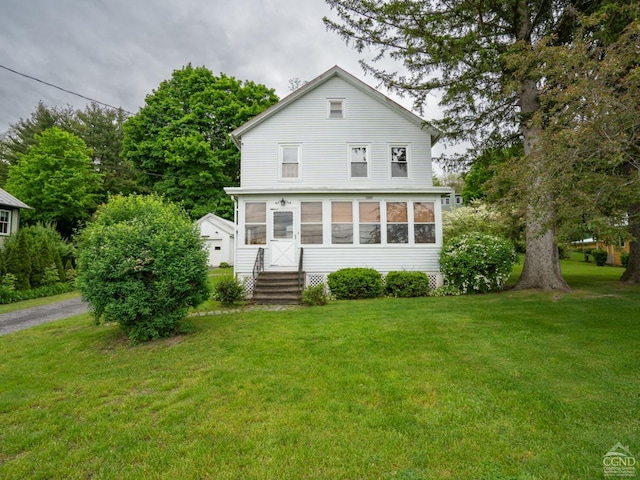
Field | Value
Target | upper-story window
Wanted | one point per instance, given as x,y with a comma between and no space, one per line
289,161
358,161
399,155
5,222
336,108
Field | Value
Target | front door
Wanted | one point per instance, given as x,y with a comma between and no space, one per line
283,238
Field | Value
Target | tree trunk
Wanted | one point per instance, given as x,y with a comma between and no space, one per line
632,273
542,261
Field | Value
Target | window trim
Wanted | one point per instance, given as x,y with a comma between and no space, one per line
343,113
362,223
7,223
407,223
304,223
367,162
341,223
255,224
415,221
407,148
281,163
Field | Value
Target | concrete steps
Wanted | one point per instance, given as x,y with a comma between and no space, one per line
277,288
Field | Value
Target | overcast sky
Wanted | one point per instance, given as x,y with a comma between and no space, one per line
118,51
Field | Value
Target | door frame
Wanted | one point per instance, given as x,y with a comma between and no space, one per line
292,244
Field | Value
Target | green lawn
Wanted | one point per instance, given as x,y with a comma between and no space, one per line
517,385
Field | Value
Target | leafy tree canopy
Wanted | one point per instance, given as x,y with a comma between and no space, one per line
180,138
100,129
483,169
56,178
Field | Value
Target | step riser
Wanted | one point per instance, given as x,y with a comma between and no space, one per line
278,288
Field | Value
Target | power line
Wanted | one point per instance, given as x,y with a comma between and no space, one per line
65,90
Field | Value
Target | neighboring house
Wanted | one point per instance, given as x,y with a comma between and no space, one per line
219,237
337,175
10,208
452,201
613,251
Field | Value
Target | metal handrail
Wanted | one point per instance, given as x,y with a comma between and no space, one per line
258,265
300,269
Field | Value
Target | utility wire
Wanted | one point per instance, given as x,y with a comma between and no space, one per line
65,90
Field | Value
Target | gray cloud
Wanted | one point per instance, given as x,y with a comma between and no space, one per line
118,51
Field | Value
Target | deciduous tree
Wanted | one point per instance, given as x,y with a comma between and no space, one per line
56,178
180,141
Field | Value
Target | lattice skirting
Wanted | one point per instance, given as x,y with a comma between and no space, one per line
314,279
249,284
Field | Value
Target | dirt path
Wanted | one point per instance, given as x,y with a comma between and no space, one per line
21,319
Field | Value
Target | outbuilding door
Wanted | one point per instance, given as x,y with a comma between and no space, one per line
283,238
216,252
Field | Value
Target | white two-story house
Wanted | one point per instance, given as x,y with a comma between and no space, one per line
336,175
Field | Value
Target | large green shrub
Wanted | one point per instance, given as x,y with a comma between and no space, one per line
600,256
141,263
477,263
353,283
229,291
407,284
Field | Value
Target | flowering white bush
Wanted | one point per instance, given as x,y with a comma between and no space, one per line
475,217
477,263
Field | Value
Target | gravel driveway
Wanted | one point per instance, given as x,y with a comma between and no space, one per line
21,319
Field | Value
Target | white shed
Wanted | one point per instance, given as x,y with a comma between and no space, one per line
219,237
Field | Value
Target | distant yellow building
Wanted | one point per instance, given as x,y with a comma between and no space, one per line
613,250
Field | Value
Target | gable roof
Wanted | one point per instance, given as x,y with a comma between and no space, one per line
222,223
8,200
336,71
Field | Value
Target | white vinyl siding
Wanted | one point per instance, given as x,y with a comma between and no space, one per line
324,142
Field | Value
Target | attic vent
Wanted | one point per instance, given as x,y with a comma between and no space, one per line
335,109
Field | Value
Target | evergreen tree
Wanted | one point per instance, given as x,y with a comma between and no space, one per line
18,260
470,51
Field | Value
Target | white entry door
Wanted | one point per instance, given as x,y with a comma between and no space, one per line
283,238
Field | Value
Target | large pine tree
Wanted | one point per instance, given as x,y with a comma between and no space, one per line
465,48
